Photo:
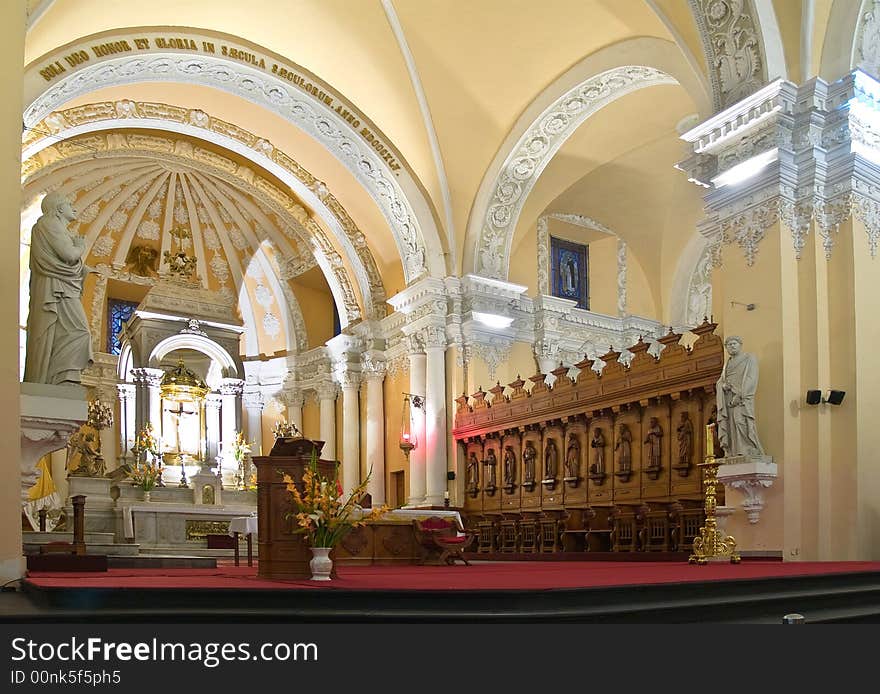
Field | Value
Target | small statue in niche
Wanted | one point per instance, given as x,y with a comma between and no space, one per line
572,457
597,443
685,431
551,457
208,495
473,473
529,455
654,440
491,464
624,449
509,467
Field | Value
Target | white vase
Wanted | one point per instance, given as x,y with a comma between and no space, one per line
146,495
321,564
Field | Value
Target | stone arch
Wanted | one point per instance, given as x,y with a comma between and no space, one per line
154,116
595,82
298,96
198,343
840,45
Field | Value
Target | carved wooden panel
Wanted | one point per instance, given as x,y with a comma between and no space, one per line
647,421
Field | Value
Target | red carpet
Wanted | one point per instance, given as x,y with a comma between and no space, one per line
484,576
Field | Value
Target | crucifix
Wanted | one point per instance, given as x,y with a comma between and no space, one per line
177,415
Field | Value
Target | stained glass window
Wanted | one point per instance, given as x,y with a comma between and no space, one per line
118,313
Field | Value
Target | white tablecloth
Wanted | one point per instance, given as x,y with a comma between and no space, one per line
243,525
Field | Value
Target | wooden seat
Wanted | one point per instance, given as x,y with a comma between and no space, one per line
656,531
598,536
551,531
685,526
528,534
508,536
485,536
624,530
440,540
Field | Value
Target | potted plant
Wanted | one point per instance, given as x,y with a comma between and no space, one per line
324,516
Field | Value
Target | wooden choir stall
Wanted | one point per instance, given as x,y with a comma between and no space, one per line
601,463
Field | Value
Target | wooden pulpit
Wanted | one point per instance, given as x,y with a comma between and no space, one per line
282,553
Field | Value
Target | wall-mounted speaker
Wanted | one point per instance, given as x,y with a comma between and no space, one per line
835,397
814,397
450,475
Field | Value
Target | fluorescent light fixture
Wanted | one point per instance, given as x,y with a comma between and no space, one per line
492,320
747,169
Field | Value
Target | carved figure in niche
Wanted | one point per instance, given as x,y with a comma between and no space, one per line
685,439
473,472
572,456
551,458
208,495
623,447
59,345
142,260
491,464
529,455
509,466
735,394
597,443
654,440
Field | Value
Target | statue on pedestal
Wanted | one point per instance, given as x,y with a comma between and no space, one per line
550,457
529,455
735,396
509,466
572,457
597,443
59,345
654,442
624,448
491,463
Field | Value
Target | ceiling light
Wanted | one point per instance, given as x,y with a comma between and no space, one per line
492,320
745,170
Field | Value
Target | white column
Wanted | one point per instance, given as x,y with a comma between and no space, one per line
417,472
213,403
127,404
374,375
351,431
253,405
230,392
435,415
153,379
294,400
327,404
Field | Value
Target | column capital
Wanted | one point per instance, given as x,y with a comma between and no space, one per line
213,401
327,390
231,386
292,397
125,391
434,337
374,366
253,400
148,376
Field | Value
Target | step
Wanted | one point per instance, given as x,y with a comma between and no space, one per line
42,538
111,549
161,561
178,551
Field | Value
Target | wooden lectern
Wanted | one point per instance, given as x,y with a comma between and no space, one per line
282,553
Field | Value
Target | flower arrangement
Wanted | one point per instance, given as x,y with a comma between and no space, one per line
240,447
321,513
285,430
146,470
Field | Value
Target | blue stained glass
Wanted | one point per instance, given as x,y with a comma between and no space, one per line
118,313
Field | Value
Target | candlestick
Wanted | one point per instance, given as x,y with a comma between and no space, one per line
710,440
445,495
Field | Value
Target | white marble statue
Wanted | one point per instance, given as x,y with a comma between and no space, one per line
59,345
735,395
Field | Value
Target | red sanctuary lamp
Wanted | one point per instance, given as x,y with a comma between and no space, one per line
408,439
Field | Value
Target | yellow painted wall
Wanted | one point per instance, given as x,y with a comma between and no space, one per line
311,419
396,383
316,304
12,22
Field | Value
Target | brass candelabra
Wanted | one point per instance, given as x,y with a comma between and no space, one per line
710,545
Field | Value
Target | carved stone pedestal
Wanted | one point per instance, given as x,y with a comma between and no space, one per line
49,415
749,475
